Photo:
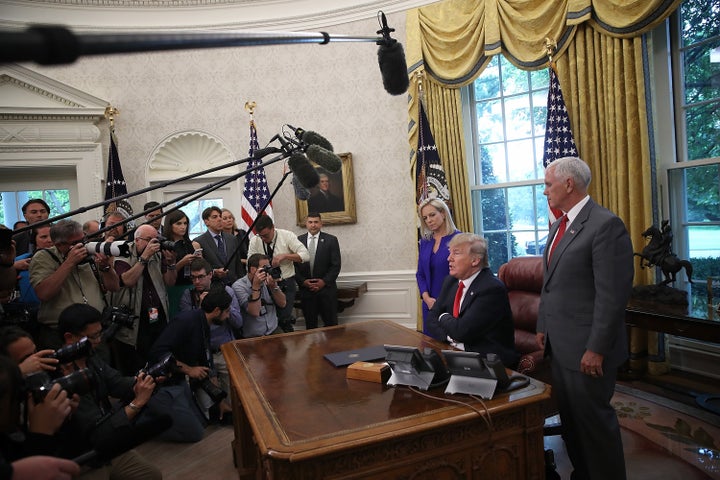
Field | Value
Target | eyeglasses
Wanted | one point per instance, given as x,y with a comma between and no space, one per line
147,239
198,277
95,336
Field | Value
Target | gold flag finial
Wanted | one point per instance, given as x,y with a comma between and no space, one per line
550,48
110,113
250,107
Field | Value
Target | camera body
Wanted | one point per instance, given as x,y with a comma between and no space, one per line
167,245
81,382
274,272
116,317
215,393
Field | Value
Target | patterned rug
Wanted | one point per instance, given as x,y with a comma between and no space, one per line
690,434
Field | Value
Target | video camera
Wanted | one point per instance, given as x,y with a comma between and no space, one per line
274,272
116,317
40,383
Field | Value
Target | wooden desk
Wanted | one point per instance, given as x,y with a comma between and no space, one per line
298,417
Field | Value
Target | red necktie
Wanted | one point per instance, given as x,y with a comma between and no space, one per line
458,296
558,235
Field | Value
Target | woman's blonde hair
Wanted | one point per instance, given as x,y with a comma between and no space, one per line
441,207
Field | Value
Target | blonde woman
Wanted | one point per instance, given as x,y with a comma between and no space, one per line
437,228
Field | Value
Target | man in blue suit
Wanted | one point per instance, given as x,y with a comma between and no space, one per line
581,321
472,311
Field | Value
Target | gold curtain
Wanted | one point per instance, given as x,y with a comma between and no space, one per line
601,61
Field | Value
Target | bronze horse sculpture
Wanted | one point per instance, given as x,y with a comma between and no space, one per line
658,253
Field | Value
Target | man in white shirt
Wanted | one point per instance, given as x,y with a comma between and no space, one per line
283,249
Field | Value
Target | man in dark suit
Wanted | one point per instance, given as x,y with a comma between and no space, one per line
316,277
324,200
472,311
218,247
581,322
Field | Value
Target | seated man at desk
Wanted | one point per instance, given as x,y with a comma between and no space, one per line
472,311
260,297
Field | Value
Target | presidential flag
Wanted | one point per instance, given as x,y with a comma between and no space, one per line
256,192
559,141
115,185
430,181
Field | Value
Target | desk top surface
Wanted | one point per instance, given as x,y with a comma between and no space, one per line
698,309
296,401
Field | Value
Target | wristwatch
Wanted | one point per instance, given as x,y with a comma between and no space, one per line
105,268
143,261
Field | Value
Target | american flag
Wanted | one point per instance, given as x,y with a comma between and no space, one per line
559,141
430,178
115,181
256,191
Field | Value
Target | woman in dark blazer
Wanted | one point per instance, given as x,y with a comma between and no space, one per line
437,228
177,229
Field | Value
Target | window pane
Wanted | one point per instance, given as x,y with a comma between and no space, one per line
704,242
540,79
497,249
493,209
703,193
518,120
702,74
194,211
703,127
699,20
489,121
492,158
539,101
514,80
487,84
522,160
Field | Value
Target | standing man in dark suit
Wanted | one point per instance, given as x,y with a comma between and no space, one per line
581,322
472,311
218,247
316,277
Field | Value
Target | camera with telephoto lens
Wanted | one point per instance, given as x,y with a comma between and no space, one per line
110,249
81,382
164,368
68,353
274,272
215,393
116,317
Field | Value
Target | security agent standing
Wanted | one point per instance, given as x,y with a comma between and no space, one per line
283,249
259,296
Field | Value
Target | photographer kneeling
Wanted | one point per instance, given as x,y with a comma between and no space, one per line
260,297
96,422
187,338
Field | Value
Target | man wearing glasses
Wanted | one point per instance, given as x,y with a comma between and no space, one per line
66,274
143,276
201,274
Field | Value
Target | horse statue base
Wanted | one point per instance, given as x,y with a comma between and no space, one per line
660,294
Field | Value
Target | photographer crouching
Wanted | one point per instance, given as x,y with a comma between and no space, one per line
260,297
187,338
97,421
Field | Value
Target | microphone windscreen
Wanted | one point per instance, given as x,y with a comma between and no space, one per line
324,158
304,172
301,193
313,138
393,68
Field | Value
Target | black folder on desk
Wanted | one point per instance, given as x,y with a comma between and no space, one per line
345,358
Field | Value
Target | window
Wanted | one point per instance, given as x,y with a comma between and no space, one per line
11,203
508,110
694,181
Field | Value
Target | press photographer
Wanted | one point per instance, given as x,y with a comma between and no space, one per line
187,337
144,275
97,419
62,276
260,297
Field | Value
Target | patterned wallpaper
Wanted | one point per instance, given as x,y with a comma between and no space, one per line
334,89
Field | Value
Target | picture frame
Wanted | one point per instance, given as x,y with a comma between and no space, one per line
337,204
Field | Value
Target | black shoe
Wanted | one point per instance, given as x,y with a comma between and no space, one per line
287,327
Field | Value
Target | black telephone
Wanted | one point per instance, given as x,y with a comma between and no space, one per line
497,370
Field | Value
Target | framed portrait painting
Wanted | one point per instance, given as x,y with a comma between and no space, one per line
333,198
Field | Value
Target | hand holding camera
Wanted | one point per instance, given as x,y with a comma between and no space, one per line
77,254
48,415
39,361
143,389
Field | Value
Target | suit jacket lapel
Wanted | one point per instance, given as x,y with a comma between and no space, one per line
573,229
471,293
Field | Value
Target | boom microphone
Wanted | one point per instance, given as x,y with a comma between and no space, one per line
312,138
304,172
391,58
301,193
324,158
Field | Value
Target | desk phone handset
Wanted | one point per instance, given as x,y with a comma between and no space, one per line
497,370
